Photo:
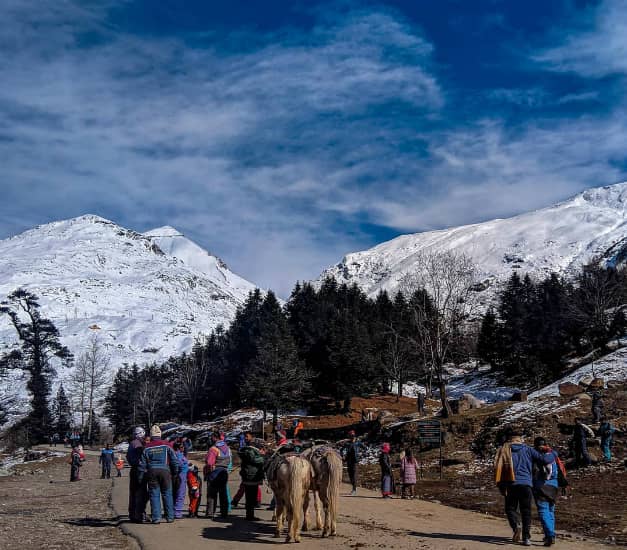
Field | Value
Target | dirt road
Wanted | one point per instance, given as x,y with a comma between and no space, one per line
41,509
366,521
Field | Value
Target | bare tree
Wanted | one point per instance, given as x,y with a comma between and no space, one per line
397,362
89,380
150,395
442,302
192,375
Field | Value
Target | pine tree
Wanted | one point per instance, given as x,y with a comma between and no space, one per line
39,340
276,379
62,412
488,342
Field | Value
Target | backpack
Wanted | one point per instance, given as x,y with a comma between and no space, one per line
562,481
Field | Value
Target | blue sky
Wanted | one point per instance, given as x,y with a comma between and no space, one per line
282,135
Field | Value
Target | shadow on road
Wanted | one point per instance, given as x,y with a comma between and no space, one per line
115,521
487,539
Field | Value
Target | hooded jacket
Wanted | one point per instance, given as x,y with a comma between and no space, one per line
251,469
158,455
523,458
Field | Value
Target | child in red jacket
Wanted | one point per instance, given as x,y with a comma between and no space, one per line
194,488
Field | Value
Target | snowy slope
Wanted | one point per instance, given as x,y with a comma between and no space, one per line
146,302
559,238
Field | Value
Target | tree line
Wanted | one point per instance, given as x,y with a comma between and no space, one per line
326,345
537,326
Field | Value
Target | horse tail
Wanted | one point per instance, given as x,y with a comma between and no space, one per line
299,481
334,465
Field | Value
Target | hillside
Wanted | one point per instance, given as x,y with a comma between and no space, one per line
559,239
147,296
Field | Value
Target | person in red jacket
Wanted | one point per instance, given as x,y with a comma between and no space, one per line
194,491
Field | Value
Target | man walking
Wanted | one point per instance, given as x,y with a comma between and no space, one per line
606,431
217,462
159,463
351,456
514,477
137,494
106,460
580,442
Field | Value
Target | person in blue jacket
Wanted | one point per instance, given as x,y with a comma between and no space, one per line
106,460
159,463
545,487
518,491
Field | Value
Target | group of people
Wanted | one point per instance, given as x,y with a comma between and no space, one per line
525,474
162,474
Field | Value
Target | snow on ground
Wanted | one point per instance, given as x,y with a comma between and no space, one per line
546,401
610,367
16,458
483,385
556,239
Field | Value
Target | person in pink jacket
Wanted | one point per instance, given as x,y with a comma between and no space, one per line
408,475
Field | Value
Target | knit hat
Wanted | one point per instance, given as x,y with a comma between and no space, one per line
155,431
139,433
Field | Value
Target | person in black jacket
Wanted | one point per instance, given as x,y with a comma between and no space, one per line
251,472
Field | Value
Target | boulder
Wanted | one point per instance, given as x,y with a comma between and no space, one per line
568,389
586,380
519,396
584,398
472,401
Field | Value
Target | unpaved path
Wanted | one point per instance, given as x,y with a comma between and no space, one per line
41,509
366,521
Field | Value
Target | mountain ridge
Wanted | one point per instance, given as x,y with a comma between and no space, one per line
558,238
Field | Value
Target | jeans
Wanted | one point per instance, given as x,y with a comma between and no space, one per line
137,496
519,497
606,445
546,512
160,487
581,453
217,488
106,470
352,474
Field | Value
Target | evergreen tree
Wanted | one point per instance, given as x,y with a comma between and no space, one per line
39,340
488,342
121,402
62,413
276,379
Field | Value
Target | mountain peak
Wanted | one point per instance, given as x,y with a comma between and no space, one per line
164,231
591,225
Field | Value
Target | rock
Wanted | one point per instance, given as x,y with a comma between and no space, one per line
519,396
472,401
586,380
568,389
584,398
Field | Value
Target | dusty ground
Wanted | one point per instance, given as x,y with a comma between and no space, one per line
365,521
595,503
43,510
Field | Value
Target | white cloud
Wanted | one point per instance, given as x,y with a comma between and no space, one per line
598,51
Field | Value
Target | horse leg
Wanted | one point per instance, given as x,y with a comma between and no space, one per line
317,505
305,512
280,515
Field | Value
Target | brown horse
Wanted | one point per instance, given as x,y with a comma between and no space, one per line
327,468
291,479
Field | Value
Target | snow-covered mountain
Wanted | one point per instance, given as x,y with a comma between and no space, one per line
559,239
147,296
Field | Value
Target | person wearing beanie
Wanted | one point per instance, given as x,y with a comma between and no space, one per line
387,480
159,465
137,491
